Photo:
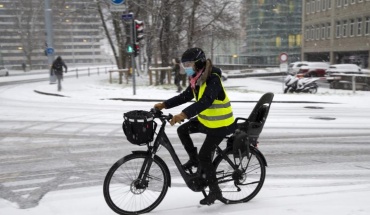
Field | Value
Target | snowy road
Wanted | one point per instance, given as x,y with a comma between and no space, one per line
52,146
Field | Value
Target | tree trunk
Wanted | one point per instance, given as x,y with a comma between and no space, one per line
192,23
107,33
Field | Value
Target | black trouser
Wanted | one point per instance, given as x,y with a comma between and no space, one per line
177,82
207,149
59,78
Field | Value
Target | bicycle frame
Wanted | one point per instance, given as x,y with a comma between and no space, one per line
193,181
235,168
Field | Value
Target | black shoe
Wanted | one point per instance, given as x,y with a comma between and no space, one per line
193,159
211,198
191,163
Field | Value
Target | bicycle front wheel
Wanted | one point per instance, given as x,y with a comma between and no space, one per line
243,183
126,193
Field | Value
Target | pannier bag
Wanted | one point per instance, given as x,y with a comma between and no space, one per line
240,144
138,126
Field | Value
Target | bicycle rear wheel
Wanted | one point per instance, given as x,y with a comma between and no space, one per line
125,193
242,184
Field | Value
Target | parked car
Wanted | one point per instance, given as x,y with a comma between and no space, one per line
342,69
294,67
365,71
4,71
313,69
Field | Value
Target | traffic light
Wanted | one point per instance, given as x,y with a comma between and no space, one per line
139,35
136,50
129,49
139,29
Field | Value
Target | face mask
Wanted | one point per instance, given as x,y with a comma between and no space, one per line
189,71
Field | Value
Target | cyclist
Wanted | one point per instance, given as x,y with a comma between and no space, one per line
214,116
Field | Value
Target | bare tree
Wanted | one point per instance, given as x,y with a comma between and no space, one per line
106,31
27,26
172,26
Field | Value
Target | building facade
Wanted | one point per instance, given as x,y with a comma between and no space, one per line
272,27
77,33
336,31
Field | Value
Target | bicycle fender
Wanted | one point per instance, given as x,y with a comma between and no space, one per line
260,154
160,161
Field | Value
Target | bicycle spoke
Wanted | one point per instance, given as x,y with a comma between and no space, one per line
125,193
249,177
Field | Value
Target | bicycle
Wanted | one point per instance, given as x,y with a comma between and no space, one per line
138,182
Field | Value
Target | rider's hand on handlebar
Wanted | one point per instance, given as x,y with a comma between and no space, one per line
160,106
178,118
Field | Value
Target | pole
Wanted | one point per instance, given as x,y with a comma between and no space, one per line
49,37
133,36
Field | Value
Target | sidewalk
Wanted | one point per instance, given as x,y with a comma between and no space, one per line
97,87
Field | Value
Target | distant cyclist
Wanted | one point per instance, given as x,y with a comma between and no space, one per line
211,114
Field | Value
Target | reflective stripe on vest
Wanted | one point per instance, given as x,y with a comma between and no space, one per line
219,114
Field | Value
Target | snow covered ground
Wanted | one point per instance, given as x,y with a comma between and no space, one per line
278,196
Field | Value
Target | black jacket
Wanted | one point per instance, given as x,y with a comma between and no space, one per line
213,91
58,65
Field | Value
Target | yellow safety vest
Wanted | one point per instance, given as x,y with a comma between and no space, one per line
219,114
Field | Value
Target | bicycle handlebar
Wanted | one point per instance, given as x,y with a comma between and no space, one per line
159,114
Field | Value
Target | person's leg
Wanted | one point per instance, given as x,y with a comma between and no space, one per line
184,131
177,83
59,82
184,79
205,160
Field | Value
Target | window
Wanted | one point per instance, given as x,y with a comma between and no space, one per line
338,30
308,6
307,34
344,33
318,4
318,32
323,32
353,1
352,28
298,40
291,40
339,3
359,26
312,33
328,30
367,26
345,3
313,6
329,4
323,5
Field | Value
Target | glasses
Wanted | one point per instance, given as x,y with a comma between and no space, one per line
189,63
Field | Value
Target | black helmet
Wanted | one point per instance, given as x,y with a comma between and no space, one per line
195,54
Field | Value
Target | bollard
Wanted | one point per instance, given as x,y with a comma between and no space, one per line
120,77
88,71
150,77
98,70
77,73
353,83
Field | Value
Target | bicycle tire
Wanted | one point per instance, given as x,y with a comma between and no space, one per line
250,181
120,185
